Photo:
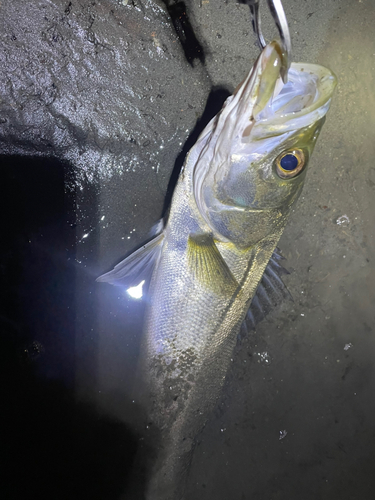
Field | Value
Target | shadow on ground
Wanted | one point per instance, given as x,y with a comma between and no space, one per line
53,447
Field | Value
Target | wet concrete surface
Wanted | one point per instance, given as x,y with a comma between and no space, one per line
296,417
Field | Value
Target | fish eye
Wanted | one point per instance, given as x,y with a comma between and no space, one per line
290,163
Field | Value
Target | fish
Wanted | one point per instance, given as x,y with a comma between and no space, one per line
214,263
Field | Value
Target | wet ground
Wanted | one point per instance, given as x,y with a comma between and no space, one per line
296,418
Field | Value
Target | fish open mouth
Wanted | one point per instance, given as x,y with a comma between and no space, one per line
263,105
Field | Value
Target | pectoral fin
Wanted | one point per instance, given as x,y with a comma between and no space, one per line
137,267
208,266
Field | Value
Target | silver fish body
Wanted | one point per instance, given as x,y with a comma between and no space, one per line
229,209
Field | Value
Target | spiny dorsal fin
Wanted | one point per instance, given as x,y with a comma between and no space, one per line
137,267
270,293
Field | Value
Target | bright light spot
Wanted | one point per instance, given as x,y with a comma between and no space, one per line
343,220
136,291
282,434
102,218
85,235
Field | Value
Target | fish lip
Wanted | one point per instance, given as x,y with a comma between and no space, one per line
247,102
264,84
243,112
257,88
307,80
322,79
327,81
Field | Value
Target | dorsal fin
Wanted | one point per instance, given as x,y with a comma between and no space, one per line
270,293
137,267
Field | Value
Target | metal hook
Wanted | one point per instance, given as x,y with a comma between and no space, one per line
279,17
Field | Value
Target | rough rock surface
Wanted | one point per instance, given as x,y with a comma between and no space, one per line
103,85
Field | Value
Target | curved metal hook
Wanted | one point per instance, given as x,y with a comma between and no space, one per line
281,22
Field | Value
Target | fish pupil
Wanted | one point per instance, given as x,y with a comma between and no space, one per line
289,162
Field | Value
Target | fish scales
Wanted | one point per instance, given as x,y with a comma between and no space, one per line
229,209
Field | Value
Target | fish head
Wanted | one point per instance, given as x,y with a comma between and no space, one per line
254,153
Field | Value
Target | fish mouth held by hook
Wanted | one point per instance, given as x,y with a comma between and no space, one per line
281,22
